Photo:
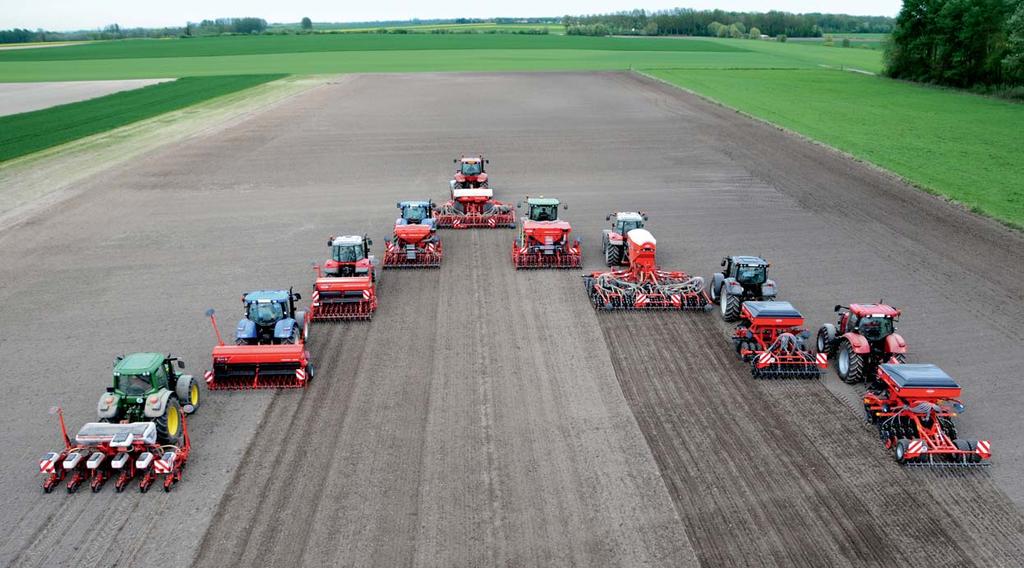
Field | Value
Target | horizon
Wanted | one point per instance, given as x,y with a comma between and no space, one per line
69,15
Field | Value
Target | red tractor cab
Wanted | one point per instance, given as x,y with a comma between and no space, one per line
470,172
346,286
863,337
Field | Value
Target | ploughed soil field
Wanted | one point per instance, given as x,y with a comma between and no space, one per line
492,417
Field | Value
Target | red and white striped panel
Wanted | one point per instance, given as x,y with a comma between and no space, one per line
522,250
983,448
492,221
47,465
316,298
456,222
641,300
300,375
765,358
916,448
208,375
822,360
161,466
366,294
677,300
389,246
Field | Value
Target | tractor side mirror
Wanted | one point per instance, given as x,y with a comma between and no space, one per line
210,312
644,216
369,242
565,206
724,260
181,364
519,204
487,161
398,204
296,296
110,389
608,217
837,308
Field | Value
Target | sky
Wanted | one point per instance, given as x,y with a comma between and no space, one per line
89,14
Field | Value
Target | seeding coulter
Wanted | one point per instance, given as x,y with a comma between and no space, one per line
863,337
270,346
472,203
771,337
644,286
346,286
614,239
913,407
101,451
543,240
742,278
415,243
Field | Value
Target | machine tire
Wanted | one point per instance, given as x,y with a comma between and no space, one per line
826,340
171,419
849,365
901,450
729,304
612,255
188,394
900,358
310,372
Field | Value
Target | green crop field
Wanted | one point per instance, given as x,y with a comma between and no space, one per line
959,145
21,134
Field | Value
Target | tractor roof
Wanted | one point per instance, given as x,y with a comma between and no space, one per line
882,310
346,240
139,364
629,216
541,201
641,237
772,310
471,159
267,295
918,375
404,204
750,260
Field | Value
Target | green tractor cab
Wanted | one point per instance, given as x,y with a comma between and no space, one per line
148,388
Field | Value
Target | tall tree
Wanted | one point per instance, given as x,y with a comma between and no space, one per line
307,24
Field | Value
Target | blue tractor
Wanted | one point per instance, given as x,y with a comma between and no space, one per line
270,319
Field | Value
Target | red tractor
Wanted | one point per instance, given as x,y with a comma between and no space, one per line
472,203
102,451
863,337
643,285
415,243
614,239
346,286
771,337
913,407
543,240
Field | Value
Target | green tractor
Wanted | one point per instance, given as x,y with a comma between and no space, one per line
148,388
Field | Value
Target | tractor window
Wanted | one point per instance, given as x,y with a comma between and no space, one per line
265,313
751,274
627,226
348,253
133,385
160,377
414,214
544,212
472,168
873,328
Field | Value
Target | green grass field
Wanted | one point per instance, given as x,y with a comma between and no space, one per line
22,134
959,145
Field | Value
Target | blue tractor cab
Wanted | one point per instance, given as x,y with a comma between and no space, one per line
416,213
270,318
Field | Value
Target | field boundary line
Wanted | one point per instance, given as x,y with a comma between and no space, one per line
879,169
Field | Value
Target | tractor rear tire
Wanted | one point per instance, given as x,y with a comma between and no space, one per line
168,426
729,304
849,364
612,255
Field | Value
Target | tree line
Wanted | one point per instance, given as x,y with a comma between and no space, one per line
685,21
960,43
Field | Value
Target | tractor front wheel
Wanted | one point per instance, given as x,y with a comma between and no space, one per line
826,339
168,426
729,304
849,364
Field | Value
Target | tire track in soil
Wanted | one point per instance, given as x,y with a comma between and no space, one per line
780,471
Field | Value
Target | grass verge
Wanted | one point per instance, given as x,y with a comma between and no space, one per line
24,133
